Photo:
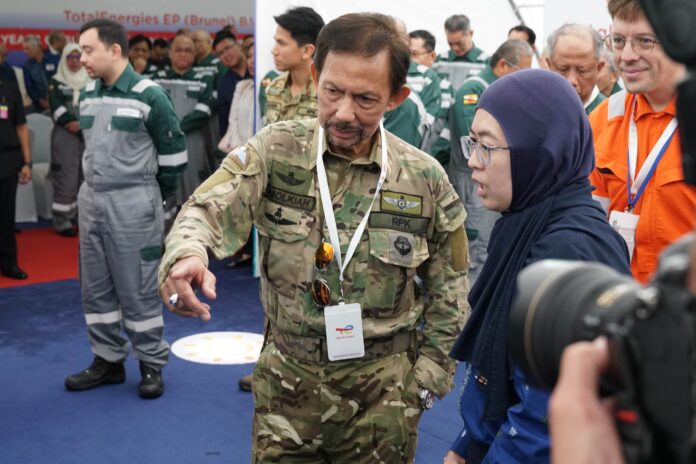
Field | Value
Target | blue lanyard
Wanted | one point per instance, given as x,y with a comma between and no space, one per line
632,201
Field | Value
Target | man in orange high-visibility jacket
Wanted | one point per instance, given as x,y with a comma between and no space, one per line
637,144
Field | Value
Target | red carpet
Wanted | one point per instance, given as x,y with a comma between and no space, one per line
45,256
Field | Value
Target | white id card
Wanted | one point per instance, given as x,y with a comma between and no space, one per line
344,332
625,224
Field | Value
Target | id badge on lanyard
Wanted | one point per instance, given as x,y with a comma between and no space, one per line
344,331
626,222
4,109
343,322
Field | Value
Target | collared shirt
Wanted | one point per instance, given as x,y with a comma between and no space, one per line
667,206
282,105
594,100
475,55
132,134
617,87
209,65
414,224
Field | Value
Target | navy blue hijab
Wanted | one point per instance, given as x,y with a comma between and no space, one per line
552,215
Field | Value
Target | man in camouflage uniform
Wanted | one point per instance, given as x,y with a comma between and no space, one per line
307,408
289,97
134,152
575,52
293,94
511,56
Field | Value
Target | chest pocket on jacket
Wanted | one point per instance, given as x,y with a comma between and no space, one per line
284,232
193,92
86,121
125,123
394,257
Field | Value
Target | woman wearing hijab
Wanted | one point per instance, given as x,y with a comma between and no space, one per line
67,144
531,157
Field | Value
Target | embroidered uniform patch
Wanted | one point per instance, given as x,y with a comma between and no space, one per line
277,218
239,156
470,99
401,203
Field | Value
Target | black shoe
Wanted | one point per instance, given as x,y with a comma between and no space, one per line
14,272
69,232
101,372
245,382
152,385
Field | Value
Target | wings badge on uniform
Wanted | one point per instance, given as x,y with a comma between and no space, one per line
401,203
289,179
278,218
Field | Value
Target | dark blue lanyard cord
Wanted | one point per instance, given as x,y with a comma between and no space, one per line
632,201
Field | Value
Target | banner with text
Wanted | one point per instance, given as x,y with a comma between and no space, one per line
154,18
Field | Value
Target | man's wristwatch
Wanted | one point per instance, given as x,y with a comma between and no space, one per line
28,163
427,398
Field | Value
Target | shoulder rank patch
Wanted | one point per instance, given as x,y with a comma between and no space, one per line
470,99
401,203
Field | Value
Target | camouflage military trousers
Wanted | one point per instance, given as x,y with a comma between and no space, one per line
345,412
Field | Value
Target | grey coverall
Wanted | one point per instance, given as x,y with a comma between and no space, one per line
66,154
134,149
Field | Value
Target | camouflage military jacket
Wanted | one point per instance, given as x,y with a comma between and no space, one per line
415,227
281,105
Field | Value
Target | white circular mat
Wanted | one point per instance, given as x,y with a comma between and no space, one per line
219,347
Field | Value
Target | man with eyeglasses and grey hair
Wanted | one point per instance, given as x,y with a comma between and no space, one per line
638,170
511,56
574,53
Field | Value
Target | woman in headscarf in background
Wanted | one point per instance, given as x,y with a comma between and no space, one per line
531,157
67,143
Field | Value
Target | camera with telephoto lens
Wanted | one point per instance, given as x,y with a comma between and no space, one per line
651,332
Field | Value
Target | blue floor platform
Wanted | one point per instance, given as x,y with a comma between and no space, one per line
202,417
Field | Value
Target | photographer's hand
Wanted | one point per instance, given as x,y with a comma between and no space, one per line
582,425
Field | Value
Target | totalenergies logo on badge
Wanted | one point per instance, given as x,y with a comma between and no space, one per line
347,330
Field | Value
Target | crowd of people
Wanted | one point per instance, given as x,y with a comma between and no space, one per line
397,194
